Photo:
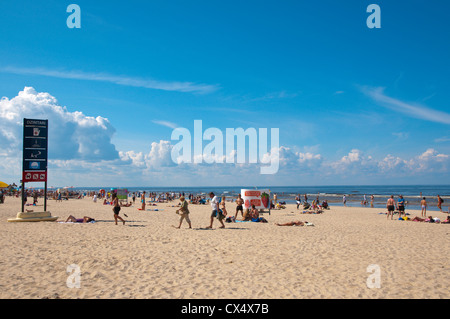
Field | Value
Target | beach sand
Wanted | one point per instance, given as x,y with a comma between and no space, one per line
148,258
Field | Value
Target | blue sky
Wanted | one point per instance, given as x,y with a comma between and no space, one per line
353,104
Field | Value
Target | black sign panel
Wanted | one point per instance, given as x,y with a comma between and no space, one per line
34,143
36,131
35,154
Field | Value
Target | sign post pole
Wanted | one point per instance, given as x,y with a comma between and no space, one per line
23,196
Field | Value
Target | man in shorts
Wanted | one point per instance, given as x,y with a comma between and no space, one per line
239,203
401,206
216,212
390,206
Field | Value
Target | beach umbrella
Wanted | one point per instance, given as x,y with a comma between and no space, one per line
3,185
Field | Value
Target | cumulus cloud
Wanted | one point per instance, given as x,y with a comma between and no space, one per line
432,160
298,160
81,153
72,135
158,158
356,162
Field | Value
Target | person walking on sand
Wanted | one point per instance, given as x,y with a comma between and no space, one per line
424,205
216,212
371,200
116,208
439,204
390,205
344,200
239,207
183,212
143,201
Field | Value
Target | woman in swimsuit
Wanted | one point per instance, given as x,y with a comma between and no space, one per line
116,209
222,205
143,201
390,205
439,204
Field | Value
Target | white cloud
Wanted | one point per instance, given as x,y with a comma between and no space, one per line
120,80
72,135
431,160
166,124
81,153
442,139
354,163
158,158
409,109
357,163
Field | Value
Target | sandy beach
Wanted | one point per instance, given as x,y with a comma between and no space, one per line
148,258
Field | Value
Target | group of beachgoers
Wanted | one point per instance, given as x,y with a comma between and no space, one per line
314,208
394,207
364,201
219,211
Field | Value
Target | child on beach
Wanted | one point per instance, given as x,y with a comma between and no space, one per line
183,212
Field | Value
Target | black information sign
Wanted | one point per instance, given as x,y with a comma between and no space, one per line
35,155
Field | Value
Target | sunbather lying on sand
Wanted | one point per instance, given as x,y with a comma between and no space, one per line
313,211
126,205
84,220
295,223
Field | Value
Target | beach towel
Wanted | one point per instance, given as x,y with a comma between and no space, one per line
259,220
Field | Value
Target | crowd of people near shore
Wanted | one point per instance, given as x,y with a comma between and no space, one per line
398,207
218,204
394,206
